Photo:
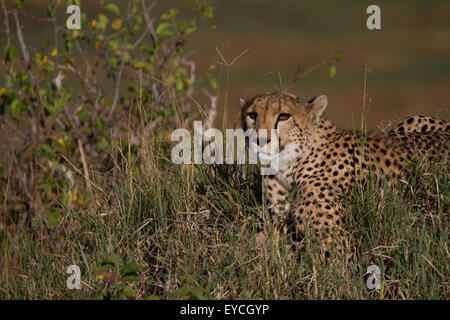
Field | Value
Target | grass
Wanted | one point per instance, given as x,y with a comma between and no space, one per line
196,231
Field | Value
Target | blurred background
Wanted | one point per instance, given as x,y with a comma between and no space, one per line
407,61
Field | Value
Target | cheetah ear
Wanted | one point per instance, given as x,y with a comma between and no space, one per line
242,102
317,106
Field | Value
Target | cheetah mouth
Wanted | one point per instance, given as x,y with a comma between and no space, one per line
256,149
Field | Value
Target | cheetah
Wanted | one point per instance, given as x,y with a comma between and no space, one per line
322,162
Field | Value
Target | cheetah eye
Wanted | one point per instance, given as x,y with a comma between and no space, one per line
252,115
284,116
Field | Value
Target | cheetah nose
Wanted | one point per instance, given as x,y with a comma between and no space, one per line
262,142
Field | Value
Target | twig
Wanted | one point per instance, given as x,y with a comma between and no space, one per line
196,212
66,171
8,39
119,76
431,265
85,166
212,110
192,66
32,16
117,87
23,135
90,88
139,40
76,72
55,27
23,46
80,173
228,65
149,22
7,30
298,75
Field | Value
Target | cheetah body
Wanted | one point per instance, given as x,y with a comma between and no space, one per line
324,162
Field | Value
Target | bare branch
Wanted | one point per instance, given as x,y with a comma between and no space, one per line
90,88
15,129
7,29
23,46
149,21
64,170
80,173
139,40
298,75
212,110
119,76
85,166
55,26
192,66
118,81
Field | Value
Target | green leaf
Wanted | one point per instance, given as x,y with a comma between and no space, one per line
129,292
103,144
170,79
332,70
168,112
117,24
212,81
142,65
10,53
112,7
103,267
82,113
152,297
59,104
197,292
100,123
179,84
337,57
45,186
188,278
18,107
45,148
75,33
131,267
208,12
21,2
113,259
68,44
8,97
130,278
181,26
113,45
53,218
114,62
102,22
182,292
163,29
170,15
191,29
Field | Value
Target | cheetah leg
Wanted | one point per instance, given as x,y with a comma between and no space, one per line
276,195
321,220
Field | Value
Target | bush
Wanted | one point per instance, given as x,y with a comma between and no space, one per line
70,109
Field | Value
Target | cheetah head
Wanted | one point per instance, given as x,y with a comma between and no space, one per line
295,120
